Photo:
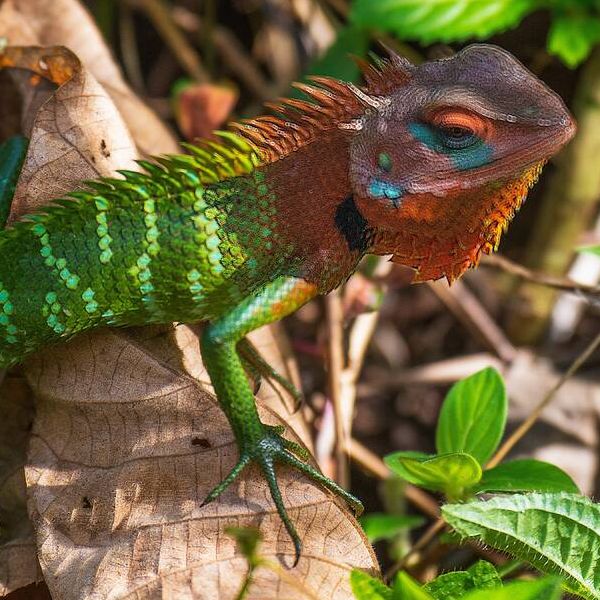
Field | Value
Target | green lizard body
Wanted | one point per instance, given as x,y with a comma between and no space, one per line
427,164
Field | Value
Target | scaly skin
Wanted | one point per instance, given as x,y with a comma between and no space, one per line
426,163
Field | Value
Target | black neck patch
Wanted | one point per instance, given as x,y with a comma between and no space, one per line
352,225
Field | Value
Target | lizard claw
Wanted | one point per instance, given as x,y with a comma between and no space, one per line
266,451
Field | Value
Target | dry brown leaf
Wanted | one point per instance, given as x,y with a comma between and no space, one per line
201,108
127,441
76,134
18,560
67,23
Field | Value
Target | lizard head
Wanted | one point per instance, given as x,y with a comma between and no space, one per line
446,151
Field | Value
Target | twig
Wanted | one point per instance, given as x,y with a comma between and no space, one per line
340,6
129,48
441,372
535,414
344,370
335,360
431,532
162,20
208,34
559,283
248,580
469,310
231,51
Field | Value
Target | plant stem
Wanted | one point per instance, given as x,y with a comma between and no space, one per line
535,414
509,568
431,532
335,355
247,582
159,13
560,283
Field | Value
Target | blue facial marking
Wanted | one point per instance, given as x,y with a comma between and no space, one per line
384,189
473,156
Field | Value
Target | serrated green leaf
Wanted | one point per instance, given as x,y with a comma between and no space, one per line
449,473
527,475
473,416
406,588
441,20
365,587
453,586
12,155
572,37
557,533
379,526
547,588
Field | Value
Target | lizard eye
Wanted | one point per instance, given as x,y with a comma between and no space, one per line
457,137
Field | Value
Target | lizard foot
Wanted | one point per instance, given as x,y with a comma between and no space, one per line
269,449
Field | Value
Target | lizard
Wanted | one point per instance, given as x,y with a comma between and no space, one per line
427,163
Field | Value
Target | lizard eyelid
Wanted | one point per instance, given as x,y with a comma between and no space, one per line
449,118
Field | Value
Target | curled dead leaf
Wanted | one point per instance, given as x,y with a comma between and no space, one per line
203,107
67,23
18,558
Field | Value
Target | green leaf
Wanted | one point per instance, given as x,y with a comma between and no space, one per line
12,155
248,540
453,586
441,20
365,587
547,588
527,475
406,588
557,533
590,250
335,61
448,473
473,416
379,526
572,37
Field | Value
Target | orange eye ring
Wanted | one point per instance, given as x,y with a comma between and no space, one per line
449,118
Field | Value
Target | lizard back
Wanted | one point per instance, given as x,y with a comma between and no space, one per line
183,241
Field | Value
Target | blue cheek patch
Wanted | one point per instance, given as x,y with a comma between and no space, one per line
384,189
474,156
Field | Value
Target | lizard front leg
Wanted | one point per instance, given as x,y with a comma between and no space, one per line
257,442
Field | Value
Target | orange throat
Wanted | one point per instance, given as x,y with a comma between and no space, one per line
445,236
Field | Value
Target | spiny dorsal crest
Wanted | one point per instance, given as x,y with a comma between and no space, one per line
384,75
331,104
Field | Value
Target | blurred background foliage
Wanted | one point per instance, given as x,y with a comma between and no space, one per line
200,63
